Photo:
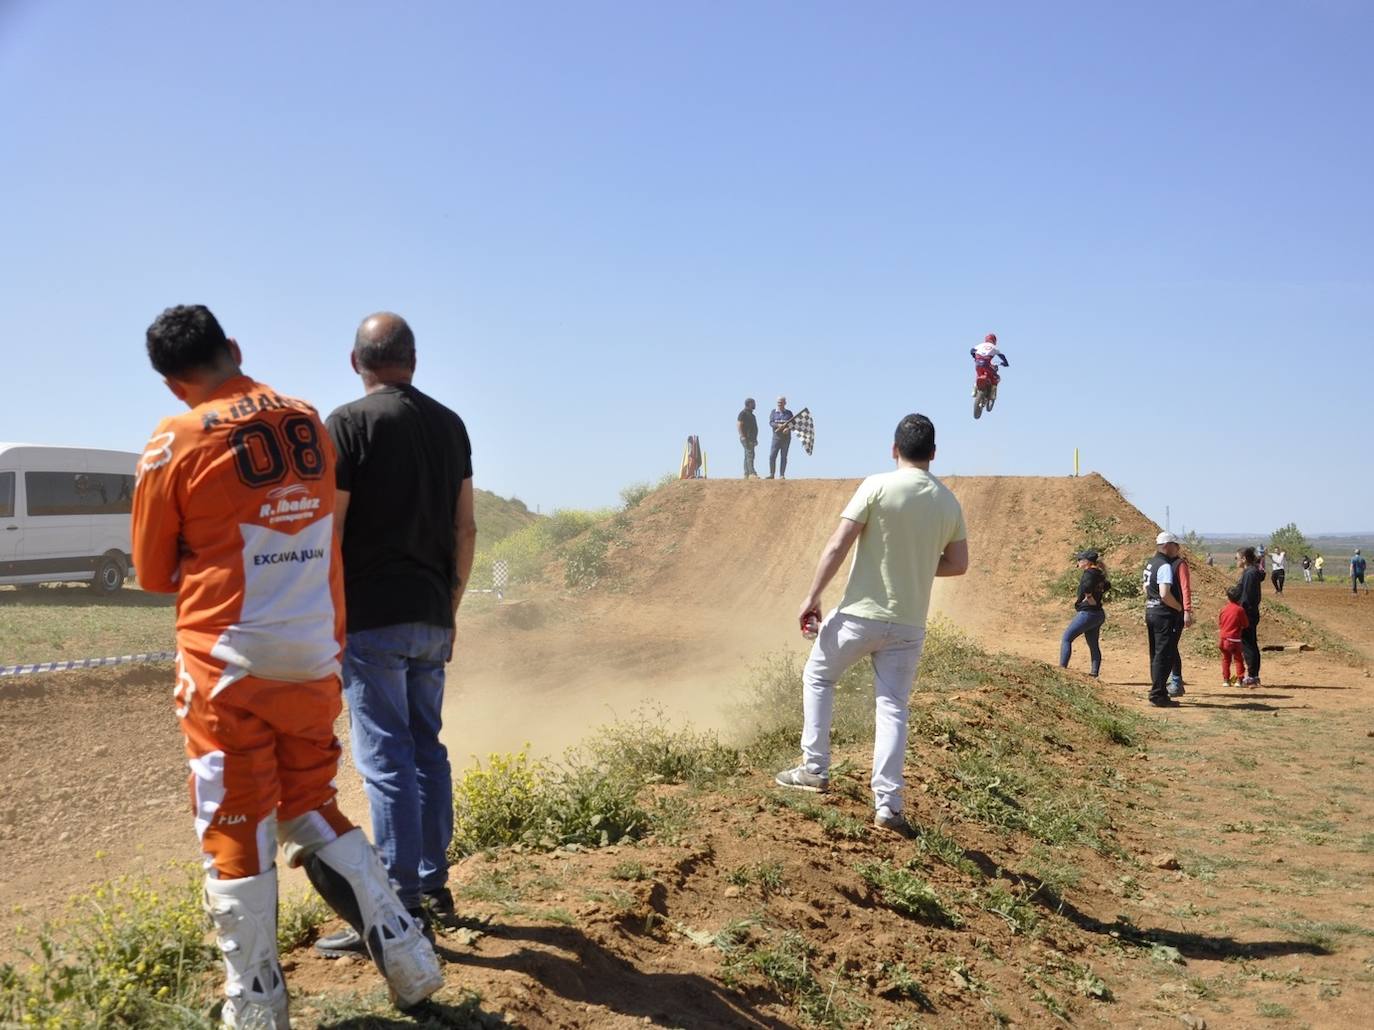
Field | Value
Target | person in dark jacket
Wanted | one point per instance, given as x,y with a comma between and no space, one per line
1089,614
1163,617
1250,579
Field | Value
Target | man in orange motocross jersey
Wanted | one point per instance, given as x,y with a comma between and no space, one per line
234,512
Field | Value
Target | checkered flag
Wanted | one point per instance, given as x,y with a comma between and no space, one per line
805,428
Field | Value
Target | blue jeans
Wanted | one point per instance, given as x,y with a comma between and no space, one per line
1089,626
778,449
394,683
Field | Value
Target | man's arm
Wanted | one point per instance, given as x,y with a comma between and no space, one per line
156,527
954,562
739,425
832,557
340,513
1166,594
465,530
1185,587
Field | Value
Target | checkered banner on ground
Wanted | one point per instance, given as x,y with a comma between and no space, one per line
10,671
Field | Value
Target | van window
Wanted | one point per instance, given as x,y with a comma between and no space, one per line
79,493
6,495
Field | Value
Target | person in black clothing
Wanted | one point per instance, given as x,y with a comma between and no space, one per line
405,522
1163,617
1089,613
1251,576
748,426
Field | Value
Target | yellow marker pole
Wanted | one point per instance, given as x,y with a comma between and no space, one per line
703,466
1075,461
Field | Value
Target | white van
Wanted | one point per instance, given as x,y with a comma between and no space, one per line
64,515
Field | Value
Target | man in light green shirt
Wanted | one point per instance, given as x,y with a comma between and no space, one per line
910,529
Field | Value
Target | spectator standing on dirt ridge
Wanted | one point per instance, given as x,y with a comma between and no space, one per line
748,425
1279,562
408,532
909,529
1163,617
779,420
1357,573
1251,579
233,512
1089,615
1319,563
1306,569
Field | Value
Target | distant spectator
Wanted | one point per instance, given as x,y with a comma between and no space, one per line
1319,563
748,426
1251,579
1211,559
1279,562
780,421
1089,613
1163,618
1357,573
1306,569
1232,623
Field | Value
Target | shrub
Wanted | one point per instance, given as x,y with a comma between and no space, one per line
516,800
589,805
585,562
495,806
645,748
129,953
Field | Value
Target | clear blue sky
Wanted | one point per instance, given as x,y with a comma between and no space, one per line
609,222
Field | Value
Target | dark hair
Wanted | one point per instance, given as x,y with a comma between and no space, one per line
1233,594
384,340
915,438
186,339
1249,556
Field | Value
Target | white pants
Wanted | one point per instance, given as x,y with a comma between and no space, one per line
896,650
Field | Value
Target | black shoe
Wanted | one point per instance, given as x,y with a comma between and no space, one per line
340,943
422,916
439,902
1168,702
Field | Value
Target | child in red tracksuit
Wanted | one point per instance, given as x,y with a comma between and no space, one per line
1232,622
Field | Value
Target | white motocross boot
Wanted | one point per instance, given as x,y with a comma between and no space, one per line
244,912
350,877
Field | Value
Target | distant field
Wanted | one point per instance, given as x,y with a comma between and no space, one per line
59,623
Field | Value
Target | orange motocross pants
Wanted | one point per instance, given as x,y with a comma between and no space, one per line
263,756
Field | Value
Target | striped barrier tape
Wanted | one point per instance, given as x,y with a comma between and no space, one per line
9,671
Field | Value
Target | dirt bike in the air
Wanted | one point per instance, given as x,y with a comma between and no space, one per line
985,389
985,360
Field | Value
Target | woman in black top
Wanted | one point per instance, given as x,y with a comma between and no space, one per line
1251,576
1089,614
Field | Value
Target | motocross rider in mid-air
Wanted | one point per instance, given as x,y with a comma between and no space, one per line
984,356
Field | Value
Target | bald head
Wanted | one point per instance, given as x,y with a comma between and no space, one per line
384,347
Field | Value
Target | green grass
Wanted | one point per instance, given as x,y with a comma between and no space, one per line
833,821
903,890
767,876
64,622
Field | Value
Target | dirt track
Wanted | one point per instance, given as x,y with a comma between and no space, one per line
706,579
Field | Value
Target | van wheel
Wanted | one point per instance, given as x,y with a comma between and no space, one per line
109,576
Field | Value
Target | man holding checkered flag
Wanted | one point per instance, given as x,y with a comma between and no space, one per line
784,424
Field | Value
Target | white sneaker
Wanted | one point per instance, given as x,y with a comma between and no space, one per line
800,779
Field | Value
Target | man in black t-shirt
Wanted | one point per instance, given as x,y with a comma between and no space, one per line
404,518
748,426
